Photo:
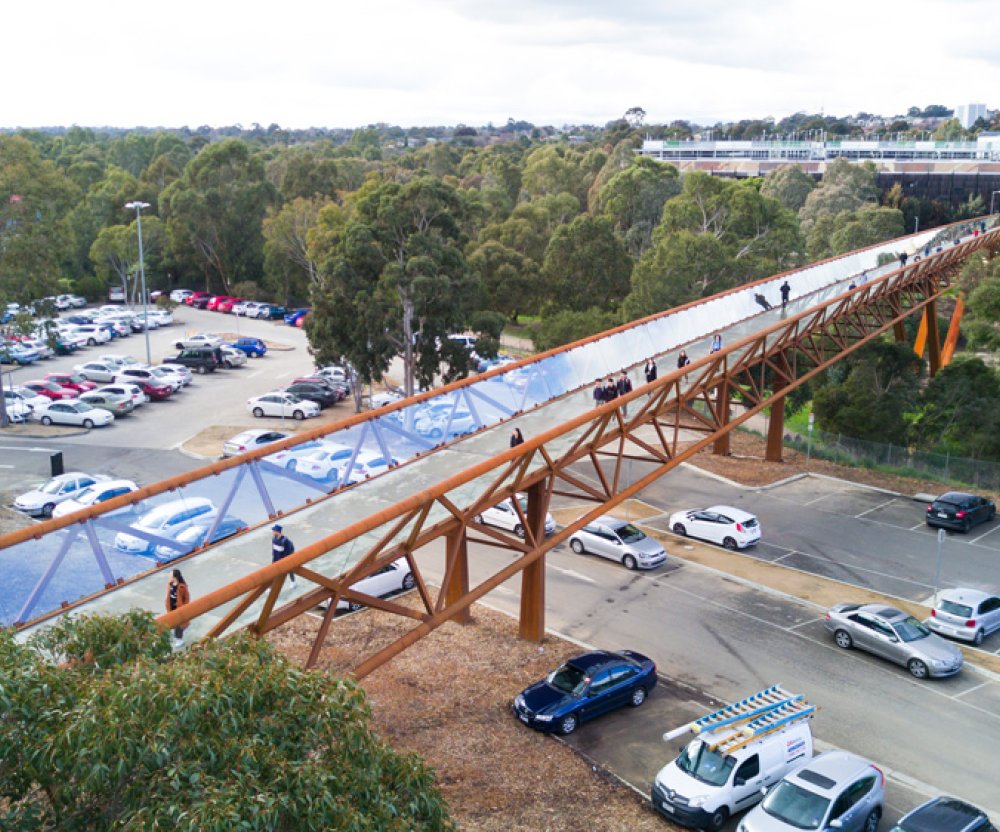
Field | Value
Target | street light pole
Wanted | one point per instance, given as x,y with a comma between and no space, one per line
137,207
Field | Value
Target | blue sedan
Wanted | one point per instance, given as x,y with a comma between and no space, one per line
292,317
586,687
253,347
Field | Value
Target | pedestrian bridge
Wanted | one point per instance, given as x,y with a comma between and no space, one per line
453,460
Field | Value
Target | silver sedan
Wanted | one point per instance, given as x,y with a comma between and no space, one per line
894,635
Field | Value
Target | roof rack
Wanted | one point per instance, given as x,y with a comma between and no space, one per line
762,713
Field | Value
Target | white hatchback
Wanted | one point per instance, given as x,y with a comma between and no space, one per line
504,516
394,577
730,527
965,614
285,405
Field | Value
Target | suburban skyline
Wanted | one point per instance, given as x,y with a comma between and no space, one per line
445,62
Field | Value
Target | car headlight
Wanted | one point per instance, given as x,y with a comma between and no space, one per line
519,701
940,662
543,717
698,800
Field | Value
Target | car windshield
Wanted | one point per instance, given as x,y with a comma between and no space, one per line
568,679
954,608
52,487
630,534
703,764
909,629
87,494
796,806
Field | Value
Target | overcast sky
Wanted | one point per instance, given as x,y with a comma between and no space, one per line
434,62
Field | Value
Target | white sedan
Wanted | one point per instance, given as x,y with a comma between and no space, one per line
101,371
391,578
132,391
42,500
284,405
97,493
725,525
202,339
504,516
73,412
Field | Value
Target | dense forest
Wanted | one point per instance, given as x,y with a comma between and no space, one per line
398,237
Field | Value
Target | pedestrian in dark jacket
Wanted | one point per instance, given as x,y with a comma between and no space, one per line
177,596
610,390
650,371
624,386
786,290
516,438
682,360
598,393
281,547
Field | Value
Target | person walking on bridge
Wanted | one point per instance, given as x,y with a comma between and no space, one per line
177,596
716,342
281,547
786,290
650,370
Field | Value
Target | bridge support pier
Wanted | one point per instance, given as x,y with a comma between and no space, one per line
899,332
723,408
457,587
531,625
775,431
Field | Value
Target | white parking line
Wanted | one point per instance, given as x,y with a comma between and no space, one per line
984,534
810,502
876,508
569,573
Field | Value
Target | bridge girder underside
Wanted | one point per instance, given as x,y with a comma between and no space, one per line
663,423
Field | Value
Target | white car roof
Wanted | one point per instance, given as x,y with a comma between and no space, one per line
735,513
963,595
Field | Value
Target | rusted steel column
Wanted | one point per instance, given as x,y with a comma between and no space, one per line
775,430
899,332
532,621
933,338
457,549
723,406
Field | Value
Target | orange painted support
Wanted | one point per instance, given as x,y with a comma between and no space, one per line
951,340
921,339
933,339
458,586
723,406
532,621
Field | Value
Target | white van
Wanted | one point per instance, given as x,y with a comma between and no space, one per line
164,521
702,788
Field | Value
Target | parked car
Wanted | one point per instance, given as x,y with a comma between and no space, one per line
245,308
293,317
322,463
163,317
99,492
337,389
250,440
77,301
503,516
195,535
289,458
120,360
367,464
116,405
132,391
214,301
232,357
37,345
151,376
226,305
390,579
585,687
960,511
49,389
319,393
41,500
836,790
165,520
199,359
270,311
253,347
22,395
17,411
12,352
725,525
945,814
99,371
201,339
180,295
282,404
94,333
199,300
75,413
893,635
178,372
965,614
620,541
72,381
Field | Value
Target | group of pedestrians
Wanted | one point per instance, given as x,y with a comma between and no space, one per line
611,389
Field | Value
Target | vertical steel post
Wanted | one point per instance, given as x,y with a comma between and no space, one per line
457,549
722,413
532,619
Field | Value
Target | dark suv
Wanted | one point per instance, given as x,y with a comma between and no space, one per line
960,511
199,360
322,395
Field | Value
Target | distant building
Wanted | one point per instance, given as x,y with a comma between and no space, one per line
967,114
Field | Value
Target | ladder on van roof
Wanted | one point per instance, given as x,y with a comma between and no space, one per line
763,713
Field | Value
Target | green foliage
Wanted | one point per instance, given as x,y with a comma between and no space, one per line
845,187
634,198
510,280
960,410
558,327
586,265
103,728
879,389
790,185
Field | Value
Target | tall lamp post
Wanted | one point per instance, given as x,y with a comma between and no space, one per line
137,207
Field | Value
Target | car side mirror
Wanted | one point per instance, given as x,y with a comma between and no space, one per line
836,823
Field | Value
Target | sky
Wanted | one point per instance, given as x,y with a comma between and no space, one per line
334,64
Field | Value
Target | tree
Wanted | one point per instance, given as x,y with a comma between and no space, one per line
104,728
845,187
567,325
585,265
879,388
869,225
790,185
959,410
634,198
635,116
214,214
510,280
550,170
289,269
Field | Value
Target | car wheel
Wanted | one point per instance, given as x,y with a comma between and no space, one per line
46,420
966,525
630,562
871,822
843,639
978,638
519,531
88,423
203,369
718,819
638,697
298,414
729,543
91,342
258,412
567,725
47,509
917,669
679,529
576,546
991,515
436,433
409,581
178,345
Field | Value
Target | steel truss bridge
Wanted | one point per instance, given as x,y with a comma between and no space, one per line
451,458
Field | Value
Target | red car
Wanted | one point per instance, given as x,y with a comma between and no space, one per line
227,305
197,296
54,391
156,392
215,300
72,381
300,321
